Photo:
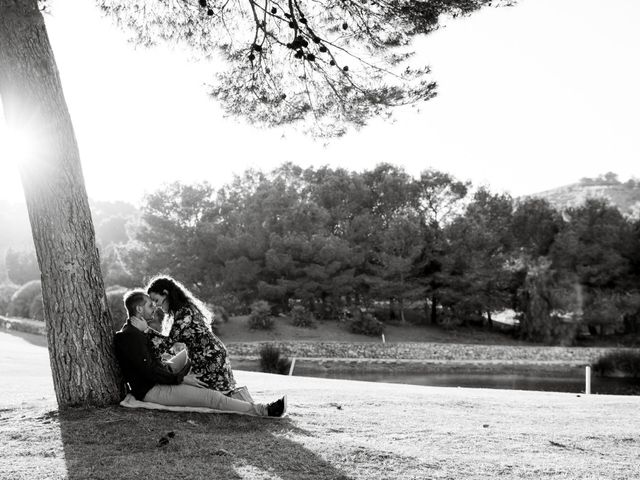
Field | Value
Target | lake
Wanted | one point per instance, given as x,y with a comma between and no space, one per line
573,381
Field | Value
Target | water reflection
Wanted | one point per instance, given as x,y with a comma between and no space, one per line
572,381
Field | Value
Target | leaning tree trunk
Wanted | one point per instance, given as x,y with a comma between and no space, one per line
79,328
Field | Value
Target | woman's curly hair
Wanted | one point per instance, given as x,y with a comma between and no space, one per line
178,296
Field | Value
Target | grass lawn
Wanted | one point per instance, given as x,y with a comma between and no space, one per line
237,330
335,429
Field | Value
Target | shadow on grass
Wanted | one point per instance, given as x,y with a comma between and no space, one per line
113,443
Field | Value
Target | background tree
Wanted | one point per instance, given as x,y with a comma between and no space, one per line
632,318
17,237
169,234
439,198
594,249
112,230
23,298
535,225
6,292
341,193
113,221
548,305
115,270
393,234
400,243
22,266
479,252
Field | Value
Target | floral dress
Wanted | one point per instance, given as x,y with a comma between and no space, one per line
209,360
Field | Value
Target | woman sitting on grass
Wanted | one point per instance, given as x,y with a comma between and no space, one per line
191,327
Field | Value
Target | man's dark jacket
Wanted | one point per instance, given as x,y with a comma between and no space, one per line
140,368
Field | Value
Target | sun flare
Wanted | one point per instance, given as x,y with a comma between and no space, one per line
17,145
16,148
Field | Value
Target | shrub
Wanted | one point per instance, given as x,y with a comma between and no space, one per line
271,360
231,304
616,363
302,317
116,306
36,309
260,317
23,297
366,324
6,292
544,308
22,266
219,313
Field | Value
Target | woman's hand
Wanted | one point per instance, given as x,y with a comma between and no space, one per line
166,357
192,380
178,347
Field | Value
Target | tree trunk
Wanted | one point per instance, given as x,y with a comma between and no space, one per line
401,301
434,310
427,312
79,330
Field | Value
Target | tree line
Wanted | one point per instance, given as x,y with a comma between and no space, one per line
432,249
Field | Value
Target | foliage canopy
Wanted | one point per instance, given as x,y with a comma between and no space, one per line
331,63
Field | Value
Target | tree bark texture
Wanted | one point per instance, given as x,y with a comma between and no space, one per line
79,330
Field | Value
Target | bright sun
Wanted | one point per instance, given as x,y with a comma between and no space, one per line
15,149
16,146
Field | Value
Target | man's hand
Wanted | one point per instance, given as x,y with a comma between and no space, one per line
178,347
192,380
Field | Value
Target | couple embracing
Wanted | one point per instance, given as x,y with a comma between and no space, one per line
199,373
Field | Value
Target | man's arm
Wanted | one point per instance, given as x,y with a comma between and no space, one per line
134,355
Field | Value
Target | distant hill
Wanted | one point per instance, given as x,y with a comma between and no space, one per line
625,196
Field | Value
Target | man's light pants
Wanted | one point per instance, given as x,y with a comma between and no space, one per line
189,396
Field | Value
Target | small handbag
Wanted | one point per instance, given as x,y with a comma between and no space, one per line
241,393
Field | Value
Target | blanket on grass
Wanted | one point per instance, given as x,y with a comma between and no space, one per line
131,402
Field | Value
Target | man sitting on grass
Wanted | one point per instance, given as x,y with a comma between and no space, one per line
150,380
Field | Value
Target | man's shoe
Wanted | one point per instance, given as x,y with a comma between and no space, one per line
277,408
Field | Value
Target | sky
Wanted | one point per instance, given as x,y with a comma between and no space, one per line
530,97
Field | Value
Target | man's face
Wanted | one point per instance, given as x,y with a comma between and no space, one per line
146,310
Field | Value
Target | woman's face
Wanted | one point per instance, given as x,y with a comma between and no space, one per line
160,300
